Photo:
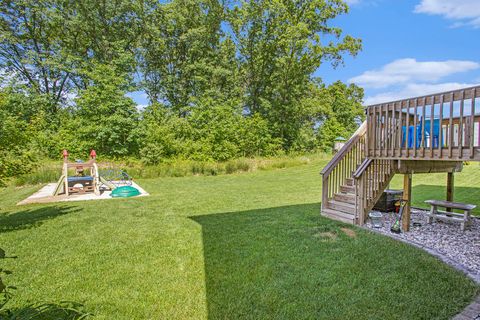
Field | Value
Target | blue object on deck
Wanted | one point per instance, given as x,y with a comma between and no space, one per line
435,131
78,179
411,131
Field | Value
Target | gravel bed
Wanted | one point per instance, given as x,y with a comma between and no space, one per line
461,249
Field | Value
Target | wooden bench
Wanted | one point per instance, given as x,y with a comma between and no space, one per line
464,218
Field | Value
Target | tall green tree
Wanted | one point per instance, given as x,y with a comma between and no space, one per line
32,47
343,115
281,44
104,118
185,54
44,43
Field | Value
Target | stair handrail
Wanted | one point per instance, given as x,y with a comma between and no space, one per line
361,131
358,173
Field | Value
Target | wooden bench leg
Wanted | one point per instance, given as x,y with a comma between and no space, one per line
433,212
466,220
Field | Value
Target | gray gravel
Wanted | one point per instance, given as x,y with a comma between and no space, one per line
461,249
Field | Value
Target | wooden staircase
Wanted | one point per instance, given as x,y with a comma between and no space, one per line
353,183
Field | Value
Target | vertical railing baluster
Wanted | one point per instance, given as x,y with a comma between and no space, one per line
432,116
450,123
374,132
407,126
333,183
394,131
472,125
386,137
415,129
460,126
440,134
400,130
424,111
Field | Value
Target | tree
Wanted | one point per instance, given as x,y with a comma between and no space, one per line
344,115
32,47
281,43
105,119
15,155
185,55
45,43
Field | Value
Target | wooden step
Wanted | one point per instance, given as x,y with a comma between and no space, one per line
344,197
350,181
341,206
347,189
339,216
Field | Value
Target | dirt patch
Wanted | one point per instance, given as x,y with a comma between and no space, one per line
326,235
349,232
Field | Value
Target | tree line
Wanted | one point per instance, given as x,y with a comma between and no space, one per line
224,79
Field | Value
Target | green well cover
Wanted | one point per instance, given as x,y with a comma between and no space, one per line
124,192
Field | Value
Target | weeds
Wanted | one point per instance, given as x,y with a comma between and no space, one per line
50,171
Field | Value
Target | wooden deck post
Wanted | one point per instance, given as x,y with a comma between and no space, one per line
450,186
407,195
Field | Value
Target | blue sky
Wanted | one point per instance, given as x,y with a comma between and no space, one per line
410,48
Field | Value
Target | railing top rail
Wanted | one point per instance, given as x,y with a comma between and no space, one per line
427,99
361,131
358,173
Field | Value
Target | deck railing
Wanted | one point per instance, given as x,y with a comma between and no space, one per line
440,126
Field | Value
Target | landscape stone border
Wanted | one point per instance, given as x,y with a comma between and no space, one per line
472,312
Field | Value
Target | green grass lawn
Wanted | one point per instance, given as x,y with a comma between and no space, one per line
243,246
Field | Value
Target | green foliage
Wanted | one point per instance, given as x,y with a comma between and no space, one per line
343,115
209,132
15,156
104,119
5,290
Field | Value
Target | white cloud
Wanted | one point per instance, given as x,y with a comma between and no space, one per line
464,12
141,107
410,70
415,90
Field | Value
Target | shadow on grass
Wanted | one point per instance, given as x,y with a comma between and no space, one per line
291,263
26,219
64,310
424,192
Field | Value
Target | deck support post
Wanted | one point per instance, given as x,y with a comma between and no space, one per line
407,195
450,187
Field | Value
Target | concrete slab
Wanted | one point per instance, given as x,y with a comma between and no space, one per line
44,195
